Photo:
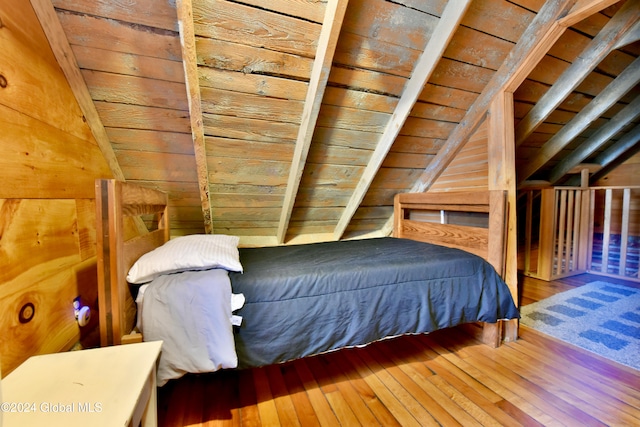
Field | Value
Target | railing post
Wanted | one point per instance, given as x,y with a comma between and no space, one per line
583,251
528,229
547,233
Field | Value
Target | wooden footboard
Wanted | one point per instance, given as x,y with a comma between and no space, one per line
473,221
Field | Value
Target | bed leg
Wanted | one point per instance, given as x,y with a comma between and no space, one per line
510,330
492,334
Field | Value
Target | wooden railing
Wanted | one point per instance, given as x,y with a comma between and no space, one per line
615,238
572,230
558,246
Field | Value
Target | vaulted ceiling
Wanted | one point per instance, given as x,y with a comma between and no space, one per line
279,119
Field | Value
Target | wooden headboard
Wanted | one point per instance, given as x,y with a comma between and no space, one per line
115,201
473,221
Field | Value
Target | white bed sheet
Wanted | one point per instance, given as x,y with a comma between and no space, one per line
192,313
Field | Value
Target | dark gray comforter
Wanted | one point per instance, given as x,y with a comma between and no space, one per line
307,299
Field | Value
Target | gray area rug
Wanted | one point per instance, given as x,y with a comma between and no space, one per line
600,317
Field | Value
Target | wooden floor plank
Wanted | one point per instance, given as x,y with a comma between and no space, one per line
579,397
446,377
383,416
504,391
349,393
390,397
584,387
426,393
613,386
480,395
195,405
439,404
283,400
220,409
610,372
341,408
535,393
318,401
521,417
301,402
248,401
266,403
441,366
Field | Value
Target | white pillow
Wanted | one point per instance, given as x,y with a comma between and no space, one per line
194,252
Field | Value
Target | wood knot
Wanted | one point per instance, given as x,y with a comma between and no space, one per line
26,313
3,81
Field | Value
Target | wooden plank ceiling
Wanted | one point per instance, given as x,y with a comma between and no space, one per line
299,120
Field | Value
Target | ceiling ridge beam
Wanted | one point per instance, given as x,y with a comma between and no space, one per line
597,49
534,43
66,59
328,40
190,63
626,80
433,51
602,135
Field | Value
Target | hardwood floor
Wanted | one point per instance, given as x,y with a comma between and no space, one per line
444,378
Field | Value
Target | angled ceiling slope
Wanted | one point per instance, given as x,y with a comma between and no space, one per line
285,121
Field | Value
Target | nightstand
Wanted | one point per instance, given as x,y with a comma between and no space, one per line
109,386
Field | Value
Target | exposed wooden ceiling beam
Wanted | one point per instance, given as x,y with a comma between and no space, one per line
618,153
585,8
616,150
595,141
534,43
433,51
66,59
599,47
631,36
626,80
334,15
190,63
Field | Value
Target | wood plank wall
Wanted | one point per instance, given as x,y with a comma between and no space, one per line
469,170
49,161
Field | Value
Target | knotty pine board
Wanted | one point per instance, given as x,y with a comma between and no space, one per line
35,87
40,249
32,153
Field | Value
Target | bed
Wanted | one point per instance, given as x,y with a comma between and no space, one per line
441,268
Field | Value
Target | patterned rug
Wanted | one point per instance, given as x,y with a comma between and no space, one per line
600,317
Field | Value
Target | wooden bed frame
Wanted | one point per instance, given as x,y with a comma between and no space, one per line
117,200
